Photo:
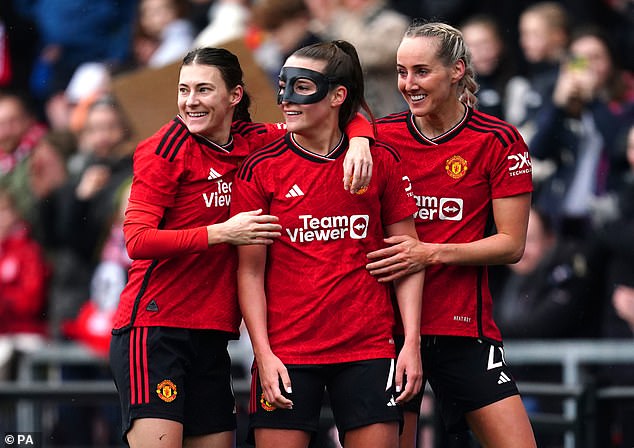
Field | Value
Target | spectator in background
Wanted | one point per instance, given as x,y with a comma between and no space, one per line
48,169
51,186
287,27
619,201
616,417
493,65
19,133
89,83
107,162
228,20
577,129
74,32
549,293
165,22
24,274
623,301
615,239
375,30
93,324
47,175
198,14
88,203
543,35
67,108
143,46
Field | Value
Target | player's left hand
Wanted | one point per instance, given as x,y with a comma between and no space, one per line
408,365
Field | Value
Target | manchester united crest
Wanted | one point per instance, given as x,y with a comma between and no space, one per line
166,390
456,167
265,404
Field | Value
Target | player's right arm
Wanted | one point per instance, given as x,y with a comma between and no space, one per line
252,300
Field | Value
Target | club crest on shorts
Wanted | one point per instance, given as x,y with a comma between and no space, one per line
166,390
456,167
265,404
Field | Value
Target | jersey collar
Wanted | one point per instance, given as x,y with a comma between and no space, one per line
451,133
224,149
339,148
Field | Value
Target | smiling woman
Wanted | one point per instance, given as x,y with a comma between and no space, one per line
323,338
465,167
171,320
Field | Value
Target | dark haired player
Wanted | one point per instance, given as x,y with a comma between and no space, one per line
317,320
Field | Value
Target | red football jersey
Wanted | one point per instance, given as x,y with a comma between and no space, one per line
322,304
454,177
191,179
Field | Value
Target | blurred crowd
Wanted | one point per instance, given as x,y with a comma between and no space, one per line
562,72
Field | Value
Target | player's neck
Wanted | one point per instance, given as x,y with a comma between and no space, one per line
318,143
436,124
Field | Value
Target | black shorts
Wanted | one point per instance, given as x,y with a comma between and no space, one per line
175,374
361,393
465,374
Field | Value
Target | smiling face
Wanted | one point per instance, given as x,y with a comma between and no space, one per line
426,84
307,116
204,102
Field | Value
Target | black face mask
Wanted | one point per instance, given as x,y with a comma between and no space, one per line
303,86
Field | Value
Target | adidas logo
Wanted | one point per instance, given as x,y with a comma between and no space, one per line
152,306
503,378
294,192
213,174
392,402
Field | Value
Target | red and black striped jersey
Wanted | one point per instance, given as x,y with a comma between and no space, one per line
322,304
455,177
